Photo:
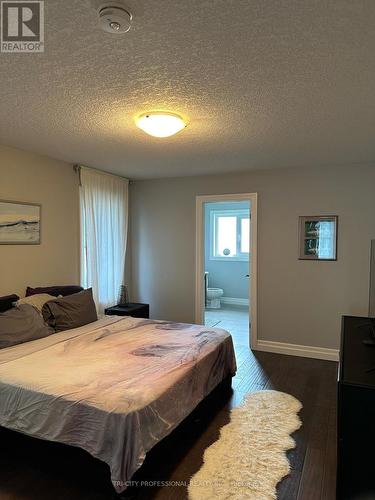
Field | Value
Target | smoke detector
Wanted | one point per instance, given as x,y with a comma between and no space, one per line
114,18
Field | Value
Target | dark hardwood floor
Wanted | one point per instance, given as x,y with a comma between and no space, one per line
35,470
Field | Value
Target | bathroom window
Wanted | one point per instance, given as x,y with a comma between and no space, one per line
230,230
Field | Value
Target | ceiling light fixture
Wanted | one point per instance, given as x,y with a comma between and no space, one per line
160,124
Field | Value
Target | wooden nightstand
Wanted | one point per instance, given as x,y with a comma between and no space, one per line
133,309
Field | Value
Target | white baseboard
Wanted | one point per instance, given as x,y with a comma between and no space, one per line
297,350
235,301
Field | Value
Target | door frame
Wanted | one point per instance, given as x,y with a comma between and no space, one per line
199,261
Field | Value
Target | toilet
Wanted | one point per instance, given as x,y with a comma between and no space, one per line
213,297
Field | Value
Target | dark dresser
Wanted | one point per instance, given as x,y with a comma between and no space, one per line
356,411
134,309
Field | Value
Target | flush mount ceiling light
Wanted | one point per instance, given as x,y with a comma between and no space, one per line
160,124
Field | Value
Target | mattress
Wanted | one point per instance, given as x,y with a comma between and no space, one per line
115,387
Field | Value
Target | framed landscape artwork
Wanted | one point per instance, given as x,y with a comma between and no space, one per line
19,223
318,237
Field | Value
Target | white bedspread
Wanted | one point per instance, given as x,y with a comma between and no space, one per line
114,388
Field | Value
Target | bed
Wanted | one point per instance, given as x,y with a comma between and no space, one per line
115,387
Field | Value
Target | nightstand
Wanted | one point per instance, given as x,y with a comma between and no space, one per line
133,309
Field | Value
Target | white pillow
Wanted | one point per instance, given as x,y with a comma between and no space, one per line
37,301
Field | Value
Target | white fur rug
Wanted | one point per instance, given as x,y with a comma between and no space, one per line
249,458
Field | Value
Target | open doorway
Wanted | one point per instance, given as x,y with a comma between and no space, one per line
226,265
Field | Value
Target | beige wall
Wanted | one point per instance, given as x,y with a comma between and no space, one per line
300,302
32,178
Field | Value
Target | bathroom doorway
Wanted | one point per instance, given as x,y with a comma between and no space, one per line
226,265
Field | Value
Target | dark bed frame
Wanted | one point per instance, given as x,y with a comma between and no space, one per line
19,451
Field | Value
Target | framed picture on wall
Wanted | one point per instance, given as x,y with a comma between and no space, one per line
19,223
318,237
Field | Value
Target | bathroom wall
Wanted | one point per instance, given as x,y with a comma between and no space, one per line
228,275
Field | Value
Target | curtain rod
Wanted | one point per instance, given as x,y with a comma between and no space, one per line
77,168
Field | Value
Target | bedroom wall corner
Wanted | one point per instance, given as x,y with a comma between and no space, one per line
28,177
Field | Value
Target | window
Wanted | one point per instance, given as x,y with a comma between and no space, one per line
230,238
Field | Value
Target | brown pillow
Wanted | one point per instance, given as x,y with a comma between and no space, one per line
21,324
54,290
70,312
37,301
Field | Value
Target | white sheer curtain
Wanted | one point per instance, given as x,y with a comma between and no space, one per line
104,227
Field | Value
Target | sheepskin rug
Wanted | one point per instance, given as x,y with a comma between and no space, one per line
249,458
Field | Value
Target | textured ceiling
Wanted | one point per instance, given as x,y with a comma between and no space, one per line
264,84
